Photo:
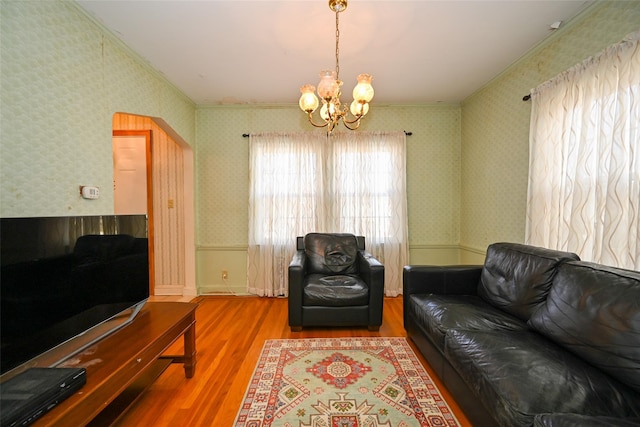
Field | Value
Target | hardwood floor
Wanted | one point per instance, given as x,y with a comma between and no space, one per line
230,333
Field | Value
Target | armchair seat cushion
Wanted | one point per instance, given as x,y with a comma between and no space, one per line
334,291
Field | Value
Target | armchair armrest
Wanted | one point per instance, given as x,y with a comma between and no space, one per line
297,270
368,264
372,272
299,261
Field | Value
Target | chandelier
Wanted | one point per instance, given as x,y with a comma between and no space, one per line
329,92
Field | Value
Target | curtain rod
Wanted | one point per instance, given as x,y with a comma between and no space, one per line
408,133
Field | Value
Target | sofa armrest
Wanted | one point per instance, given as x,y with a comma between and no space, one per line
297,270
450,280
372,272
443,280
579,420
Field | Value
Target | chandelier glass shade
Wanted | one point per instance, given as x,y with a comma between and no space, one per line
332,112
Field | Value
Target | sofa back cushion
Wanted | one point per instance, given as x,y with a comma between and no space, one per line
516,278
331,253
594,311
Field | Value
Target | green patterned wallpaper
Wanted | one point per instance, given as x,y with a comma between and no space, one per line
63,76
433,167
222,160
62,79
495,124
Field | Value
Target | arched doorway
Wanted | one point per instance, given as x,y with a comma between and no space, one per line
173,215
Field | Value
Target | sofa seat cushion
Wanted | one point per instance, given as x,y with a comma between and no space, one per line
334,291
594,311
519,374
516,278
437,314
577,420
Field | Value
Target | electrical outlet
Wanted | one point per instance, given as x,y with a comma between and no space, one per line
225,274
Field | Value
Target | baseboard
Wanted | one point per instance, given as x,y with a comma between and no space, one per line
222,290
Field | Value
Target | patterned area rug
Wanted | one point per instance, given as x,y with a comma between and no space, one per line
342,382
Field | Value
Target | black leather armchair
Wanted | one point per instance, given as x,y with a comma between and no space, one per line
333,281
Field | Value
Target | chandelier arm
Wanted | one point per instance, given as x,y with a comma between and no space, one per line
356,119
347,123
314,124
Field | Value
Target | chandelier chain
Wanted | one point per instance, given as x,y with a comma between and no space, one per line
337,46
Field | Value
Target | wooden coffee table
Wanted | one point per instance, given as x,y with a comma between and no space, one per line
122,365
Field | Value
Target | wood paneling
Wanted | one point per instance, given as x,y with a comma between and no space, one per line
230,335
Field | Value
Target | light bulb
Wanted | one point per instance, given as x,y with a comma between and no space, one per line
328,111
359,108
308,100
363,90
327,87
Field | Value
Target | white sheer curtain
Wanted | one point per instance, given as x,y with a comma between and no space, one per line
584,173
304,182
286,199
369,196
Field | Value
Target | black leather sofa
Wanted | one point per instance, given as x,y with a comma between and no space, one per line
334,281
534,337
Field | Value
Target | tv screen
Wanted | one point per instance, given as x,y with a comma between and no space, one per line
68,279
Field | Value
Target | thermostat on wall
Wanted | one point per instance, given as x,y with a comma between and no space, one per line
89,192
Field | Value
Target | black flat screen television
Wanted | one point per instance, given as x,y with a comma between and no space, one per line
67,282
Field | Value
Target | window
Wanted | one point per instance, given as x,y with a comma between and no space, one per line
304,182
584,174
362,195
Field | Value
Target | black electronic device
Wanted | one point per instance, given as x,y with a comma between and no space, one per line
32,393
68,280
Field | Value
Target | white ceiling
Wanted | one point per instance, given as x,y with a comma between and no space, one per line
261,52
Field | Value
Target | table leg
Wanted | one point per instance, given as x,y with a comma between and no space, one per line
190,350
